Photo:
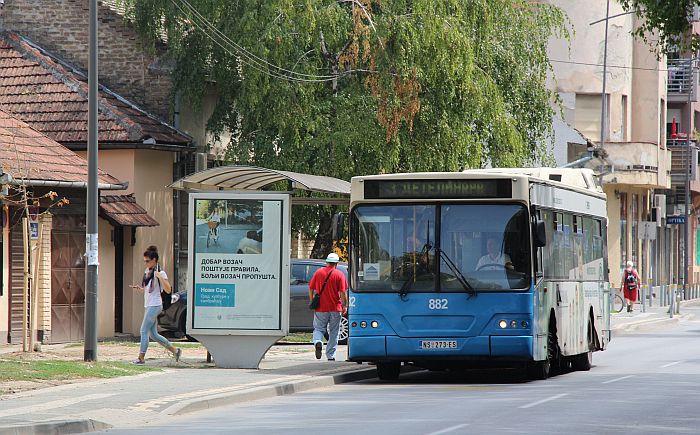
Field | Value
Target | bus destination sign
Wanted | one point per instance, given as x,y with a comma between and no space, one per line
438,189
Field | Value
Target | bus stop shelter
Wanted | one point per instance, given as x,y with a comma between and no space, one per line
238,177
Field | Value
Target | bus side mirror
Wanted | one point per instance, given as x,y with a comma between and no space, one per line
338,226
539,234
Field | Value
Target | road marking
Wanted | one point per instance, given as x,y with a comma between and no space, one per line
449,429
617,379
31,409
671,364
539,402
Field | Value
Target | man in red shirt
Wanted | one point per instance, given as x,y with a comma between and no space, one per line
331,284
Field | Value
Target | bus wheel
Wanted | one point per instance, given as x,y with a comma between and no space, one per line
388,371
584,361
542,369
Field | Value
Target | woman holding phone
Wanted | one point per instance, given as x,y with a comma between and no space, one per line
153,283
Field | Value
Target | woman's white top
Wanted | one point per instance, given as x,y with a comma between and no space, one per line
152,299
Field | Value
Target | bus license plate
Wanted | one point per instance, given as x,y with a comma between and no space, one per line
438,344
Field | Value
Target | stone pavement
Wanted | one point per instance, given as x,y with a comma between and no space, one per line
137,400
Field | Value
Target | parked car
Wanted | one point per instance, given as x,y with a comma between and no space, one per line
173,318
251,243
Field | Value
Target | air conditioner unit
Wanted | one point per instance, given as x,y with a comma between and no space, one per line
660,203
200,162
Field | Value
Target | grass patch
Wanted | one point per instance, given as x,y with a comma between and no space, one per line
28,370
297,337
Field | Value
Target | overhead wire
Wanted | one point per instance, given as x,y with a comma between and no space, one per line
242,49
244,56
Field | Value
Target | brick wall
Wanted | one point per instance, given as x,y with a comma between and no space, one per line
61,27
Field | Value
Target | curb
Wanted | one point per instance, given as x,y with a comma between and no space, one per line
634,326
60,427
268,391
57,427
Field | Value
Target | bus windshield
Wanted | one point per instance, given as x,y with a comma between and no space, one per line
404,248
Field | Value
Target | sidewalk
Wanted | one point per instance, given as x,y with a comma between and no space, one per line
137,400
653,317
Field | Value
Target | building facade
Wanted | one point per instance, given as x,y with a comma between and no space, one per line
634,161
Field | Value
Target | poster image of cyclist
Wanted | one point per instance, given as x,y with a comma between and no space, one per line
229,226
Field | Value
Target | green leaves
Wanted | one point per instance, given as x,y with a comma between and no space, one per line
668,22
421,85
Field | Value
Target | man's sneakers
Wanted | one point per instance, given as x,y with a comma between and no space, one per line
319,349
331,359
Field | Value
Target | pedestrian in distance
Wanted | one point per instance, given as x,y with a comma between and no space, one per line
154,281
331,285
630,285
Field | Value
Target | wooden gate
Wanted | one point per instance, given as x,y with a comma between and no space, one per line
67,278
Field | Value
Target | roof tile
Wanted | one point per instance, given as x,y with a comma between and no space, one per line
32,82
27,154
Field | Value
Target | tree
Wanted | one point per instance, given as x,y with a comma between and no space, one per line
667,20
353,87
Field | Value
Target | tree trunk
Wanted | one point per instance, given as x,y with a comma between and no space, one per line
324,237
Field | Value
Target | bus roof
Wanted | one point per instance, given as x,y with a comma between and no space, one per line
581,178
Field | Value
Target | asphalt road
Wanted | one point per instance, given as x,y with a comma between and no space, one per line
227,242
645,383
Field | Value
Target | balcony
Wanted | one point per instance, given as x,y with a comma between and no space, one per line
682,81
641,164
681,167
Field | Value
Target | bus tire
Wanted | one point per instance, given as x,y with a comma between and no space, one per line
583,361
388,371
541,370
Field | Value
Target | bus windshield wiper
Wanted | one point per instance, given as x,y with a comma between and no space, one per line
455,270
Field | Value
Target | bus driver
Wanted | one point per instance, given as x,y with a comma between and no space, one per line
494,258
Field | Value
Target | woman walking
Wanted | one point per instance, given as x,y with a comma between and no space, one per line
630,285
153,283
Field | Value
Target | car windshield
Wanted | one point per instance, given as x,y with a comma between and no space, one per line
395,248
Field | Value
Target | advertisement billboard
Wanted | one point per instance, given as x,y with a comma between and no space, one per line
239,263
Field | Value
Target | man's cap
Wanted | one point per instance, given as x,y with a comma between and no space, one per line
332,258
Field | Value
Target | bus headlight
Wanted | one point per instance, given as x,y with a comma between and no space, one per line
524,324
374,324
503,324
513,323
363,324
354,324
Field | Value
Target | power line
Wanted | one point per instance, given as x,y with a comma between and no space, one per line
609,66
244,56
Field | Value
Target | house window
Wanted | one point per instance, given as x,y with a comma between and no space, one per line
623,123
587,115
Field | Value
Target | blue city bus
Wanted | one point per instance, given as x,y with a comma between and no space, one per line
478,268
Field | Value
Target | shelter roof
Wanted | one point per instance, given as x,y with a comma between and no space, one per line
51,96
124,211
256,178
26,154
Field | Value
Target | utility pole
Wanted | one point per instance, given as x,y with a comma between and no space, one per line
604,104
91,247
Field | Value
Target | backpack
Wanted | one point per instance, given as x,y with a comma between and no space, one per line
630,280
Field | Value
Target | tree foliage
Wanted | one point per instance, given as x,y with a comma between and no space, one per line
667,20
419,85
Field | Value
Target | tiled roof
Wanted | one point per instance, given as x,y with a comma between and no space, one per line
27,154
51,96
123,210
